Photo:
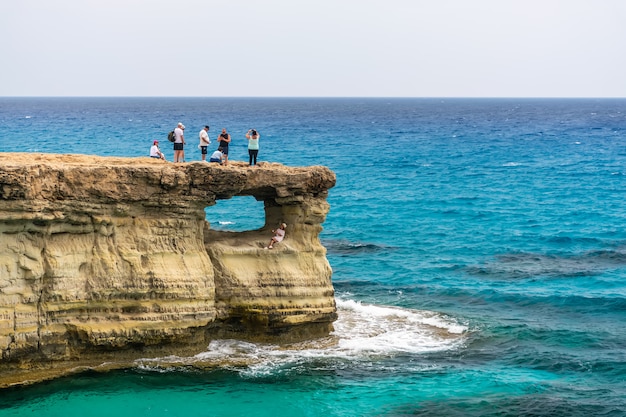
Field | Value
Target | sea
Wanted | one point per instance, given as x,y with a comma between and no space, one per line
478,249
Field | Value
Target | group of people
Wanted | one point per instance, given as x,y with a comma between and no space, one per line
219,156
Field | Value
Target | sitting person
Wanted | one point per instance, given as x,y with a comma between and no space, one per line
217,156
279,235
155,152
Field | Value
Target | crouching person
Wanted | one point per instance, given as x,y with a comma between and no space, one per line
279,235
217,156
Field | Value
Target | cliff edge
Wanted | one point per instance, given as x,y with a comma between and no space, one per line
104,257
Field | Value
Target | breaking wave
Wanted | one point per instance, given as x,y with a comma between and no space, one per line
362,332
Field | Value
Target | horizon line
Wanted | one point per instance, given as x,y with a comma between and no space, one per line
337,97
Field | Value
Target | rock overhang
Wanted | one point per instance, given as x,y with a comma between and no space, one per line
108,254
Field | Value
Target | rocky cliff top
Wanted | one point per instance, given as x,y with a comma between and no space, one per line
29,176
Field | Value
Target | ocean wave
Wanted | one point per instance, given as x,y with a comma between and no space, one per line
362,333
384,329
561,362
589,304
558,306
569,240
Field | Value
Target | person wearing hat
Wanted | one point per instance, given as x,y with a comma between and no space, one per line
179,143
279,235
204,141
155,152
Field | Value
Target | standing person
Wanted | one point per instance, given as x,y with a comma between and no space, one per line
179,143
224,141
204,141
155,152
253,145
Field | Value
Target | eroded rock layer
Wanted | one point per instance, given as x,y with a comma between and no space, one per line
114,255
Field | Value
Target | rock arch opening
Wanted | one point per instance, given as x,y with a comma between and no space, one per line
237,214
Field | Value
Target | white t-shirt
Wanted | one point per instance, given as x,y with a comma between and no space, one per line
217,155
178,134
154,151
204,138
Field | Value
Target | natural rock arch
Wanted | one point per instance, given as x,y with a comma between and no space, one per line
114,255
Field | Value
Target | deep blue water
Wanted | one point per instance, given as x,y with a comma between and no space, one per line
498,221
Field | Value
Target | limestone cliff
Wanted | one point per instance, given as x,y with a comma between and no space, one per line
113,256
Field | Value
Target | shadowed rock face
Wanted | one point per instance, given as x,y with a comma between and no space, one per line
113,256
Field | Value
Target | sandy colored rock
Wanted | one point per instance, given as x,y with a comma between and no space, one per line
113,257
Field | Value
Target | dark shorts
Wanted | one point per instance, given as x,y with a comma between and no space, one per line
203,150
219,161
225,150
178,146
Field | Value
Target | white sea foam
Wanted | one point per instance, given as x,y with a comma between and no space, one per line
388,330
362,332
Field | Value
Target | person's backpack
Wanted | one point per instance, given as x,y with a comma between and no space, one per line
171,137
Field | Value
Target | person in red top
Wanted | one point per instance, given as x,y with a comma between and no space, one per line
155,152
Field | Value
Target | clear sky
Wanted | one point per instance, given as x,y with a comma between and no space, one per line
347,48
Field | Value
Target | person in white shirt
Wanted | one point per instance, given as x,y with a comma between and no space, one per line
155,152
217,156
179,143
204,141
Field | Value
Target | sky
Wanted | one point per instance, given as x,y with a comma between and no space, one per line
313,48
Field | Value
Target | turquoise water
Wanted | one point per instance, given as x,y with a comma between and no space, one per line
478,253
